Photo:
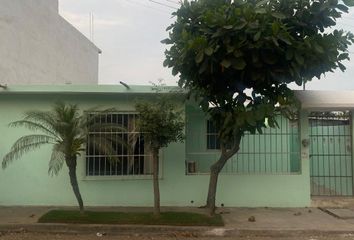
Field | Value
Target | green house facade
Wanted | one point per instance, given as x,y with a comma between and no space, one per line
283,167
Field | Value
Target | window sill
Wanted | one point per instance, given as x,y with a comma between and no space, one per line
249,174
117,178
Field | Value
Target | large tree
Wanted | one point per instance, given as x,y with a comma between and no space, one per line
66,128
161,123
238,57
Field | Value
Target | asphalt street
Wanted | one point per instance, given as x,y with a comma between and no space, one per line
41,236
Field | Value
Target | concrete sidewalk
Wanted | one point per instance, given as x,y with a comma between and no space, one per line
285,219
268,222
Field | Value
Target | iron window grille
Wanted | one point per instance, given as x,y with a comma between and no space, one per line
131,155
331,164
276,151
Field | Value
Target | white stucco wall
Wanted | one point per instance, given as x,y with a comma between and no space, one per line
37,46
326,100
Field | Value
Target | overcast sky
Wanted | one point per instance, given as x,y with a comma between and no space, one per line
129,34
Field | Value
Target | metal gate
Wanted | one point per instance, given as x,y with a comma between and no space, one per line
331,168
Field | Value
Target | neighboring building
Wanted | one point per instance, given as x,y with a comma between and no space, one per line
37,46
284,167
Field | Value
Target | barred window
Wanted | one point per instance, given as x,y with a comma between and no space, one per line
277,150
213,142
212,136
131,154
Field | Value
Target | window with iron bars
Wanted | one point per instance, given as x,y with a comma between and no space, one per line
276,151
213,142
131,155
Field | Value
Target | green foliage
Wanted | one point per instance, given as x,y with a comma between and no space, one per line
65,128
160,121
145,218
238,56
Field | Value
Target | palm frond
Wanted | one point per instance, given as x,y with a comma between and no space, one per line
109,137
34,126
66,120
66,113
77,146
47,119
91,114
57,160
90,117
24,145
104,145
62,126
106,127
31,139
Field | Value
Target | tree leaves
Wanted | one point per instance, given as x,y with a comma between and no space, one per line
275,28
318,48
209,51
278,15
260,48
167,41
25,144
63,124
341,67
228,27
343,56
239,64
199,58
260,10
257,36
261,3
161,122
226,63
299,58
240,25
269,58
254,46
343,8
289,54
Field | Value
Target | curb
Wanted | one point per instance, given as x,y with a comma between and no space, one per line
132,230
287,233
142,230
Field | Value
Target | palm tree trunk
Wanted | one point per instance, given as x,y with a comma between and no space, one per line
71,163
155,165
215,169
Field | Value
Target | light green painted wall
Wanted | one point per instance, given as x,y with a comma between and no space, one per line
26,181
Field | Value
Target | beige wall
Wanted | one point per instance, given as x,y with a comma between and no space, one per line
37,46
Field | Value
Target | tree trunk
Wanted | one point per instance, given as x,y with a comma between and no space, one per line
155,166
215,169
71,163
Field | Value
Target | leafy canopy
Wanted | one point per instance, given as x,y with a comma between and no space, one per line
239,55
160,122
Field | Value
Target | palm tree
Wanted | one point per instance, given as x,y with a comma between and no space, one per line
67,130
